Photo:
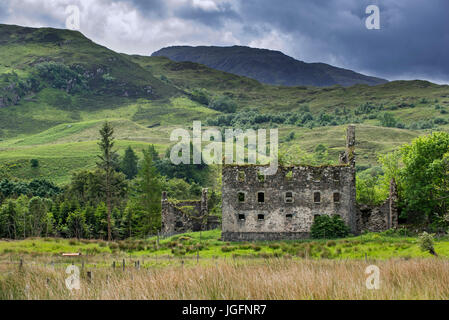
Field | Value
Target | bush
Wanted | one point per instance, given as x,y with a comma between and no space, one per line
223,104
329,227
201,96
34,163
426,243
61,76
387,120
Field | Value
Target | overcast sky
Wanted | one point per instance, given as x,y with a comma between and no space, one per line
412,42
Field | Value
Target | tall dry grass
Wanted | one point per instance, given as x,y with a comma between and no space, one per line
246,279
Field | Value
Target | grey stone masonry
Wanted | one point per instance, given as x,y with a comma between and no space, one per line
382,217
284,205
179,216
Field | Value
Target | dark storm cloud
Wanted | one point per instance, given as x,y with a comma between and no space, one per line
413,41
212,18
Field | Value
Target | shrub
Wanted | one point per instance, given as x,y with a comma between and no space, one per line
329,227
34,163
290,136
440,121
223,104
426,243
61,76
227,248
72,242
201,96
387,120
326,254
331,243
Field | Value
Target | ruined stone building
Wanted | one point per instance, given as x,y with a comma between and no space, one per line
284,205
179,216
379,218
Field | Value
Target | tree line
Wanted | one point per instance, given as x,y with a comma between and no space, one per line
118,199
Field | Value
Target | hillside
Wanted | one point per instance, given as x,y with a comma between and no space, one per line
54,75
267,66
57,87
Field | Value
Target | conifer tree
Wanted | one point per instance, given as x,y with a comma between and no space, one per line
129,164
108,163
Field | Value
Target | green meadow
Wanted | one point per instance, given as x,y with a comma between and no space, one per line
207,244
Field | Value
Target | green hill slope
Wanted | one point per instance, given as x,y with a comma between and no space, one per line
57,87
48,76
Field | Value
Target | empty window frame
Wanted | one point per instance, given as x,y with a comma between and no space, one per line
288,197
289,216
261,197
336,197
242,217
260,217
241,196
336,175
317,197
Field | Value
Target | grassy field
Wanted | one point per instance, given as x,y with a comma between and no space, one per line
202,267
207,244
277,279
70,147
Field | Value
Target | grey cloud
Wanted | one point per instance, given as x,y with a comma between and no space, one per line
153,8
413,41
213,18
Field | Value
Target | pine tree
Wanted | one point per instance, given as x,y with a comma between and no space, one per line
129,164
108,163
149,192
102,224
8,220
153,152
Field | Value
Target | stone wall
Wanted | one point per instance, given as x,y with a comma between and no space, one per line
284,205
186,215
379,218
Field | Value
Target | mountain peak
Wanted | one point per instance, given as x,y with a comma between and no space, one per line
267,66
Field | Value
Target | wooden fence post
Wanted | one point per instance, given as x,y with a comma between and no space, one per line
123,265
